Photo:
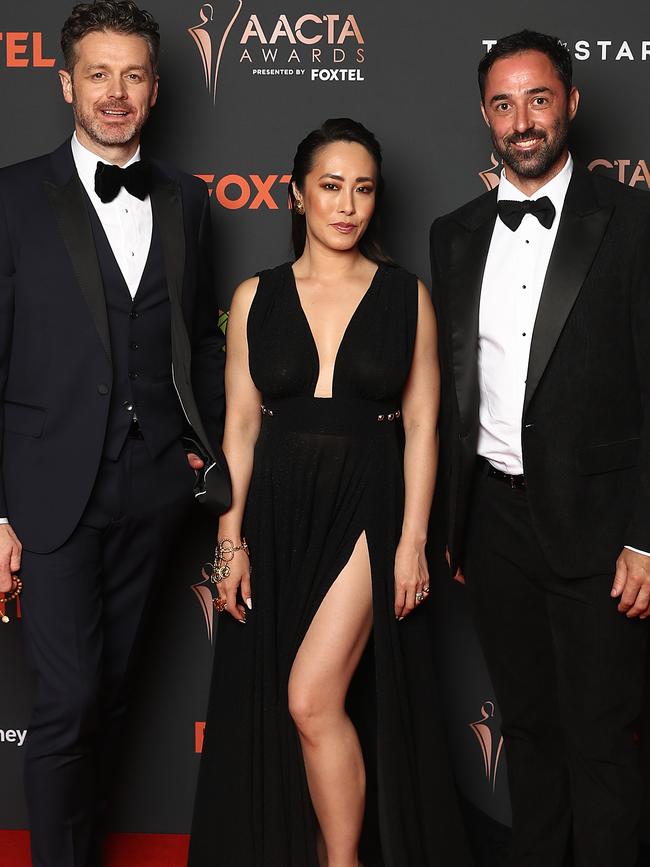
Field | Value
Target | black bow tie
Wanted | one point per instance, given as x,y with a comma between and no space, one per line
512,213
110,179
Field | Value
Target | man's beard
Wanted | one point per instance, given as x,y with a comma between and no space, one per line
534,164
107,134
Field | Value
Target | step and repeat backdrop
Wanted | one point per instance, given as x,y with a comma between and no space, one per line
242,81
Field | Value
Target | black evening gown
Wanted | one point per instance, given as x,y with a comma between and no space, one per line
325,471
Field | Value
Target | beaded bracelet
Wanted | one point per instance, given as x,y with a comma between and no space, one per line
14,593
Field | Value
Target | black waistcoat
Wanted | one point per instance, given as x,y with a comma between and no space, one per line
140,331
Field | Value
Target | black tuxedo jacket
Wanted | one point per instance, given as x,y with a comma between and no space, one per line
586,415
55,354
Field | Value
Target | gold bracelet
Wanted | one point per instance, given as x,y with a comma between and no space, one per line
223,554
14,593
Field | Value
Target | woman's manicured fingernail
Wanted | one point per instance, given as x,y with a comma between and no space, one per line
249,604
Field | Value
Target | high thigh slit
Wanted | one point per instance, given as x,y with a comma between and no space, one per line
325,471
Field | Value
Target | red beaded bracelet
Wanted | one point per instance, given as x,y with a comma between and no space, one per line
14,593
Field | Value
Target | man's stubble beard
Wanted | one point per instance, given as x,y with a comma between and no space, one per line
535,165
104,135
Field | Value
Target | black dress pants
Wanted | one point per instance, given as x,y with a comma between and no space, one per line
83,605
567,670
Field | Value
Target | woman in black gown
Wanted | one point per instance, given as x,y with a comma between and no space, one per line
323,741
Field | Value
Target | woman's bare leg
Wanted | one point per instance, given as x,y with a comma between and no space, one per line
319,681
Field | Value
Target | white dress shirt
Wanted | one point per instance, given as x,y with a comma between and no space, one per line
514,274
127,220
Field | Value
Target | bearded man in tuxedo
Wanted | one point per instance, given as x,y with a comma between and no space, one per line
110,358
542,291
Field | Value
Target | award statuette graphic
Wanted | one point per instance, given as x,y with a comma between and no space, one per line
491,176
490,740
210,36
206,598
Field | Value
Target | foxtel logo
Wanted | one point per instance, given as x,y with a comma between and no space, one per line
251,191
199,734
20,49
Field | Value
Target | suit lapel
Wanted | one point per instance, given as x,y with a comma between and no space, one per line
68,202
168,210
581,230
469,254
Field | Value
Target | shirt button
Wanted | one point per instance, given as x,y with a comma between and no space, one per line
126,210
524,286
134,345
102,388
128,406
133,374
133,315
528,242
132,253
523,334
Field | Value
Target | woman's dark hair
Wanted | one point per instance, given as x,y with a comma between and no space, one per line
528,40
118,16
334,130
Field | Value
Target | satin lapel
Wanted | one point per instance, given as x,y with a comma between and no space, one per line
469,254
168,210
69,205
582,227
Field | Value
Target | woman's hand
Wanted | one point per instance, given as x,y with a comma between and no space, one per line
239,579
411,577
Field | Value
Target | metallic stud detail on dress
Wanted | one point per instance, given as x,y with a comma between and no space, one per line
270,412
398,413
391,416
381,417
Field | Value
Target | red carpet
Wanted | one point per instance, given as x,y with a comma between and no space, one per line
124,850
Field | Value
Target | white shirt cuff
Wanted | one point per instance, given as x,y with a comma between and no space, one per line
4,520
638,550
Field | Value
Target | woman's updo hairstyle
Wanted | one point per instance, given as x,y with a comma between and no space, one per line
334,130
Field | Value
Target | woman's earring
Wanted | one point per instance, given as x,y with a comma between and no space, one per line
299,207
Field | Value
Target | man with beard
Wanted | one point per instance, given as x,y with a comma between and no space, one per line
109,357
543,298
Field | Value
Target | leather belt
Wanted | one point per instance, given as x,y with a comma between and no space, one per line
517,483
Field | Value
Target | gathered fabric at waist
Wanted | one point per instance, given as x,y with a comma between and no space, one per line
331,415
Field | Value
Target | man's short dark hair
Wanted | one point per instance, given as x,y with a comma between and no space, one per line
118,16
528,40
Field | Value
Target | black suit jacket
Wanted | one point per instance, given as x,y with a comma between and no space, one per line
55,354
586,415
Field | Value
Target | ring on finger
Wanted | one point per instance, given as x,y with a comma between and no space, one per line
419,596
425,589
220,604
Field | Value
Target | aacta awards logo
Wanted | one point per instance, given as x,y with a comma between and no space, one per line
633,173
490,740
204,594
319,47
492,176
210,36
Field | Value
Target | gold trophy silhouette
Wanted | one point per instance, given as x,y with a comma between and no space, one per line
210,36
491,176
490,740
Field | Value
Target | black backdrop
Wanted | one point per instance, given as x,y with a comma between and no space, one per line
240,86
